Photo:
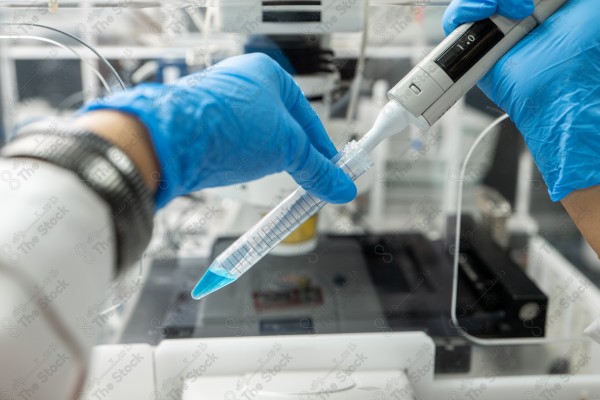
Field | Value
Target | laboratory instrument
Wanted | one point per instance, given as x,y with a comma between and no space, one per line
421,98
378,290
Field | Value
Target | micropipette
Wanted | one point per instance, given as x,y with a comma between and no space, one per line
420,98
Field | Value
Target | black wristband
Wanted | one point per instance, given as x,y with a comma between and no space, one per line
105,169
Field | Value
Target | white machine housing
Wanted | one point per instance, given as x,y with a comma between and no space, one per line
291,17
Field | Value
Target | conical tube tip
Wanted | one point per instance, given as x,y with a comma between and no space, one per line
209,283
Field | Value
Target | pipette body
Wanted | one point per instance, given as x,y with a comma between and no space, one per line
454,66
421,98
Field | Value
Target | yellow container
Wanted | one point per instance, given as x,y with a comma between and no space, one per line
305,232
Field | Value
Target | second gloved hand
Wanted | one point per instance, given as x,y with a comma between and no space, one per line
238,121
549,84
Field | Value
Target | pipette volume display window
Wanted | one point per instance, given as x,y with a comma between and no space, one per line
469,48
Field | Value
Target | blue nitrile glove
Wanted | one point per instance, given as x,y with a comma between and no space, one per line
240,120
549,84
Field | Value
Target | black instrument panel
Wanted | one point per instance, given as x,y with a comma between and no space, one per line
469,48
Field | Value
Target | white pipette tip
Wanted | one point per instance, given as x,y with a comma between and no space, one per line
392,119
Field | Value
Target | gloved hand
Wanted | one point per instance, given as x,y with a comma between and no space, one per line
240,120
549,84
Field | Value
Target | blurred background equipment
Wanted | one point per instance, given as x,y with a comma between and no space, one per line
358,300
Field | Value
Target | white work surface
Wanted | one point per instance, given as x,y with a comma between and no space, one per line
376,366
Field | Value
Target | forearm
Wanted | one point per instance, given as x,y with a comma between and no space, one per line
583,207
59,253
127,133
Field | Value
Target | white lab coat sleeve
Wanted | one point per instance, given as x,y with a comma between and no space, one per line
57,259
